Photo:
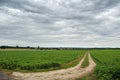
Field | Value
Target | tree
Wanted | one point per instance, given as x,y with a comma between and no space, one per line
17,46
3,47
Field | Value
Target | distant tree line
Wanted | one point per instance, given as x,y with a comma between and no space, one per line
52,48
16,47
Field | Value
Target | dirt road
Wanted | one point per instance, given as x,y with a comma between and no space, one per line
64,74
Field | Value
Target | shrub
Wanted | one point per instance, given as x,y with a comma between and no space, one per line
49,65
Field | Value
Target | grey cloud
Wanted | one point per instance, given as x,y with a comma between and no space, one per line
27,6
61,23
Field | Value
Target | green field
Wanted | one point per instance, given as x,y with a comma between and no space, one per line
108,61
38,60
108,64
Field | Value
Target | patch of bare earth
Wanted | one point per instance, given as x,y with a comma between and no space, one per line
64,74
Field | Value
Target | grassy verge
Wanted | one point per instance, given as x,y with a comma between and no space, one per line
85,62
73,62
91,76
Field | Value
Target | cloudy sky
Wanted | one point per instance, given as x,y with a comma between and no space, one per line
60,23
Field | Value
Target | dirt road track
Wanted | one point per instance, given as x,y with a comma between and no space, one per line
64,74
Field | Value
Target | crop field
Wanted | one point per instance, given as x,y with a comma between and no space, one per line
38,60
108,64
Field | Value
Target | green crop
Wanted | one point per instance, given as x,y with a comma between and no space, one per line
108,64
37,60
